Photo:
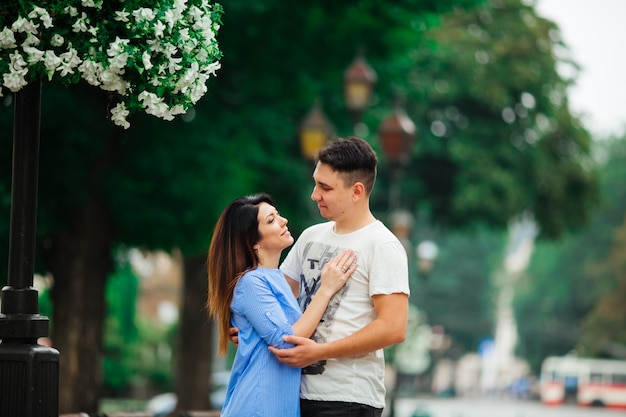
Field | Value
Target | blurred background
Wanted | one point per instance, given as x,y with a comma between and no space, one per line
510,200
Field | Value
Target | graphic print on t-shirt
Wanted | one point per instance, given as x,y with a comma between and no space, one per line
315,256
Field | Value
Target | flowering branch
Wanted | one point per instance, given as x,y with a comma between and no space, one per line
153,59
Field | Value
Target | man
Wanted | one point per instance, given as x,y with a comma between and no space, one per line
343,362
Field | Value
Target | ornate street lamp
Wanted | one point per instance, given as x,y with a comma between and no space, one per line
397,135
315,131
358,82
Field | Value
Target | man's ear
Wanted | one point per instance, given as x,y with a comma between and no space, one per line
358,191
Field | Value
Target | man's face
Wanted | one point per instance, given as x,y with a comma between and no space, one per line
333,198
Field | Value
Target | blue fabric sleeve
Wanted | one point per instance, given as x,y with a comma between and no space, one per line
262,307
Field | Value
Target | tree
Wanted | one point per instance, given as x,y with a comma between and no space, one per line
496,134
603,327
561,302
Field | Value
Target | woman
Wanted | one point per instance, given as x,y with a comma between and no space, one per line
248,291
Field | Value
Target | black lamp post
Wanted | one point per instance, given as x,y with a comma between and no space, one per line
315,131
358,82
397,134
29,373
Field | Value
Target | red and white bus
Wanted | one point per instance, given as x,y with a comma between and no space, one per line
587,382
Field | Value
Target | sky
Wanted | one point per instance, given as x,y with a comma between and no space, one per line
595,32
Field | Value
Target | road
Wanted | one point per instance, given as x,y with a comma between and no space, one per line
482,407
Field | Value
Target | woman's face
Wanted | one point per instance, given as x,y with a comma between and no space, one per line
273,229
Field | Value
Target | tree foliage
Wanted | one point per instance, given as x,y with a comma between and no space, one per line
496,134
155,57
569,298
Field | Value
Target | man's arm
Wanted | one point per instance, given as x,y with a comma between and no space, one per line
389,328
295,285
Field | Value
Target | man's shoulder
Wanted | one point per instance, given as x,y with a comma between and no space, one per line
380,229
318,228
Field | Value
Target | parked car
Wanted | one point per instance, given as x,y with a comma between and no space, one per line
163,404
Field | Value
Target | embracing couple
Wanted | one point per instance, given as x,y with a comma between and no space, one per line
310,331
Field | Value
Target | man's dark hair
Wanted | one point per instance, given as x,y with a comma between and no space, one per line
353,158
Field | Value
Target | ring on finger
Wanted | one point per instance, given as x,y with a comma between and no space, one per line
344,269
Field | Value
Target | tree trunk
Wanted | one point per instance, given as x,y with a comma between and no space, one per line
79,259
194,346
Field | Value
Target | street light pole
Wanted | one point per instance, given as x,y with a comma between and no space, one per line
29,373
397,134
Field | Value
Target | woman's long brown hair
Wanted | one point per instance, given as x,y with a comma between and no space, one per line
231,253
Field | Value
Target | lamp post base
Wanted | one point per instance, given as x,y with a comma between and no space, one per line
29,375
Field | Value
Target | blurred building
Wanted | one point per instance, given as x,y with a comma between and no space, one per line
160,285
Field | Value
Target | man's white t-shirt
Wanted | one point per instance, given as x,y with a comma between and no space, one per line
382,269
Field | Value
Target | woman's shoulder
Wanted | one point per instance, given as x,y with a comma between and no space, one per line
259,273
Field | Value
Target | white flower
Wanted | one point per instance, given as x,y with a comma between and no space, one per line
43,15
159,29
80,25
153,104
34,55
17,61
174,66
71,10
213,67
180,4
15,79
37,11
51,62
56,40
119,113
145,57
30,40
148,99
170,18
194,14
90,71
93,30
69,61
189,78
24,26
198,90
117,47
184,35
111,81
122,16
118,62
177,109
7,39
144,13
